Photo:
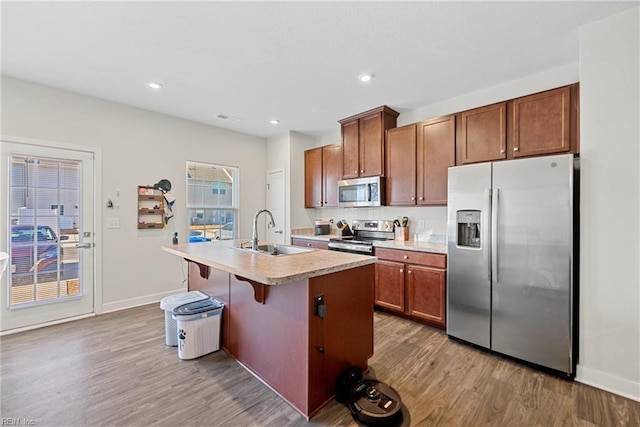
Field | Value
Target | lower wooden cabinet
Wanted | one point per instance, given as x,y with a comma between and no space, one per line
310,243
412,284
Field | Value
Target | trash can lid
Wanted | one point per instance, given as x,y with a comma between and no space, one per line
173,301
198,307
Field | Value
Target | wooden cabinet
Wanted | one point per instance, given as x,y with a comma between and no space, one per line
483,134
363,142
417,162
401,166
542,123
331,173
539,124
310,243
436,152
412,284
321,174
150,207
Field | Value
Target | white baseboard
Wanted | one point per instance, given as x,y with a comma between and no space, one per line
608,382
136,302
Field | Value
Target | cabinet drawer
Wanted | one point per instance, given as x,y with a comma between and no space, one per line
413,257
309,243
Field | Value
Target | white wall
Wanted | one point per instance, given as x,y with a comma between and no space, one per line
138,148
610,200
300,216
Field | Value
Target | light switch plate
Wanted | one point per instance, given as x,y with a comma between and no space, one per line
113,222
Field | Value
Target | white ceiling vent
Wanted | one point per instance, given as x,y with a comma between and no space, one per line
228,118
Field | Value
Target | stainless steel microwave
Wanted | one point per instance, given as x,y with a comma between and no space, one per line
361,192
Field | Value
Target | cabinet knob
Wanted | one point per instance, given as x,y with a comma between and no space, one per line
409,272
516,149
361,170
406,257
413,198
308,244
421,198
355,171
501,151
401,271
320,202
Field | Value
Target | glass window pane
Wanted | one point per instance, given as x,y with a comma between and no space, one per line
212,199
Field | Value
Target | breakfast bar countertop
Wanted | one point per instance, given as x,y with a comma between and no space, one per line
264,268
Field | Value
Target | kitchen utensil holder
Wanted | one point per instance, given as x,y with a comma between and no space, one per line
402,233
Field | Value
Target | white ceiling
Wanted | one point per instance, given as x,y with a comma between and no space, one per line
294,61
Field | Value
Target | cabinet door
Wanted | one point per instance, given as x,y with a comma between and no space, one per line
426,293
483,134
371,145
350,149
313,178
389,285
332,172
436,152
541,123
401,166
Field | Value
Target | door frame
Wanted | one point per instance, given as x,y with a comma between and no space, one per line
97,219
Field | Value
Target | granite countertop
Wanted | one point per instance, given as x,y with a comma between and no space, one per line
409,245
268,269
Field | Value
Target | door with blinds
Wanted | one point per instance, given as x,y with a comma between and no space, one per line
49,234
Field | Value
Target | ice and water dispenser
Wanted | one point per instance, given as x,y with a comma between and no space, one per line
468,224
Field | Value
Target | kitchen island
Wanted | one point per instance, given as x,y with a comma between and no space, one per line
295,321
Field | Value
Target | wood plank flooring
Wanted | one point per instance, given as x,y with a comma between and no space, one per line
115,369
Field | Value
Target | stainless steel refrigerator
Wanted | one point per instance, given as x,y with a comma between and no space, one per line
510,282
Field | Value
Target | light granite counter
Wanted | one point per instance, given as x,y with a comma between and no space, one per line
409,245
263,268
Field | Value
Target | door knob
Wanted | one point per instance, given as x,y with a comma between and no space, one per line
84,245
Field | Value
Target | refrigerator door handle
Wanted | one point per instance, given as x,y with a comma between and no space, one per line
487,232
495,206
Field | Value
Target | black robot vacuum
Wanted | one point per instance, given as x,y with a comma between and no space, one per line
371,402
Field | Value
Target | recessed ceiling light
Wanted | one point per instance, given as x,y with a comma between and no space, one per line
365,77
274,122
154,85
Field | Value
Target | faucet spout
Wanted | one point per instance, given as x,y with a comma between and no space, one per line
254,233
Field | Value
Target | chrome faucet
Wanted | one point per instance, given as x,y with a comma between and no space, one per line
254,233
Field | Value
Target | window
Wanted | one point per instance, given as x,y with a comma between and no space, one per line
212,201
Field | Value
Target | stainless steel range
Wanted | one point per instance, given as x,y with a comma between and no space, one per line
365,233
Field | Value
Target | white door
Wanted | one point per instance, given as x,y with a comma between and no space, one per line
276,204
48,231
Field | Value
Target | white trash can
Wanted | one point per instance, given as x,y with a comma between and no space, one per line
171,302
198,327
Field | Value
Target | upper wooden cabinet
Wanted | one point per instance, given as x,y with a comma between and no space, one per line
533,125
417,160
363,142
436,152
313,178
483,134
401,165
321,174
542,123
331,173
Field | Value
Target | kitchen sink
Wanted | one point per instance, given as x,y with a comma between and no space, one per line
275,249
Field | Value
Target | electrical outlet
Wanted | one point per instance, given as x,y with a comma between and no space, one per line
113,222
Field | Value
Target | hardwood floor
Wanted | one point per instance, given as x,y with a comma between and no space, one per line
115,369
